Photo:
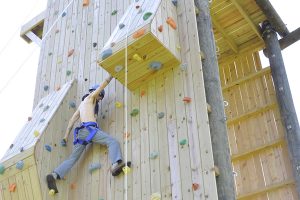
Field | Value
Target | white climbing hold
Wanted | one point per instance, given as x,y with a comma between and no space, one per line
155,65
118,68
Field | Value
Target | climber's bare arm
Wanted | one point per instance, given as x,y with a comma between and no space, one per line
102,86
71,123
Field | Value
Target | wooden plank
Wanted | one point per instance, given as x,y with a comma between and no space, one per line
37,20
27,184
14,194
5,189
35,183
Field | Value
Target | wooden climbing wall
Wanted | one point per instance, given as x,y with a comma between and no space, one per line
258,146
180,171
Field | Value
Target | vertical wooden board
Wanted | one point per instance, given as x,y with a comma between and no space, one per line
5,189
35,185
136,147
21,189
164,162
172,138
12,180
232,139
27,184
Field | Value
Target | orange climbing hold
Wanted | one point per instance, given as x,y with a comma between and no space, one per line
12,187
143,92
86,2
70,52
171,22
195,186
139,33
126,135
160,28
187,99
73,186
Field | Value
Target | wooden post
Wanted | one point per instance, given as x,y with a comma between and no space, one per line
284,98
273,17
217,119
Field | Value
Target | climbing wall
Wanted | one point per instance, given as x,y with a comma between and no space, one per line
259,152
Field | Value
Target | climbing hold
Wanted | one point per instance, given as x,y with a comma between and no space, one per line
171,22
126,169
70,53
118,68
147,15
46,108
106,53
154,155
139,33
50,54
48,147
160,115
140,10
112,44
197,11
68,72
41,105
137,57
178,47
195,186
12,187
94,44
134,112
36,133
42,120
72,104
63,14
174,2
183,142
114,12
29,118
51,192
21,149
155,65
56,12
73,186
187,99
143,92
90,23
59,61
85,79
57,31
57,88
183,66
63,143
2,169
126,135
46,87
11,146
118,104
160,28
85,2
155,196
20,165
94,166
121,26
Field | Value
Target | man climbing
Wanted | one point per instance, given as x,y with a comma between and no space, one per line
87,132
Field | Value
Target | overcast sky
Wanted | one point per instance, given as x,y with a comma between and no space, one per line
16,95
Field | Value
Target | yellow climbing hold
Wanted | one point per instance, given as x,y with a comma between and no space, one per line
126,169
137,57
51,192
118,104
36,133
155,196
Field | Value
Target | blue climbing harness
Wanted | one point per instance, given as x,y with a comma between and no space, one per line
92,127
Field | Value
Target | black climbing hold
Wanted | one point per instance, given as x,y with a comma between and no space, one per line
85,79
64,14
121,26
50,54
174,2
46,87
21,149
11,146
94,44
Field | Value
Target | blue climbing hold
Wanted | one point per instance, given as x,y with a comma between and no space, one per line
64,14
46,87
63,143
48,147
2,169
174,2
121,26
94,166
106,53
20,164
42,120
72,104
155,65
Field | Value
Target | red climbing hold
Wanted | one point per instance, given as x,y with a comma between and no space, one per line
187,99
160,28
12,187
195,186
171,22
70,52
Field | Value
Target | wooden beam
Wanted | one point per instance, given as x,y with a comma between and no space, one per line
273,17
284,98
288,40
258,149
34,38
266,189
247,18
29,26
229,41
213,90
262,72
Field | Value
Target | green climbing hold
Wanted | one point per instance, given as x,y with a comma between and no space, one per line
147,15
183,142
72,104
114,12
160,115
134,112
2,169
68,72
154,155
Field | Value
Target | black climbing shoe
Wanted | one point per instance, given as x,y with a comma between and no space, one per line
117,168
51,183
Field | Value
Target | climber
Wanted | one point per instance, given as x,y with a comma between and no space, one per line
87,132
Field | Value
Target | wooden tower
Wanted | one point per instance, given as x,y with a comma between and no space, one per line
211,122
